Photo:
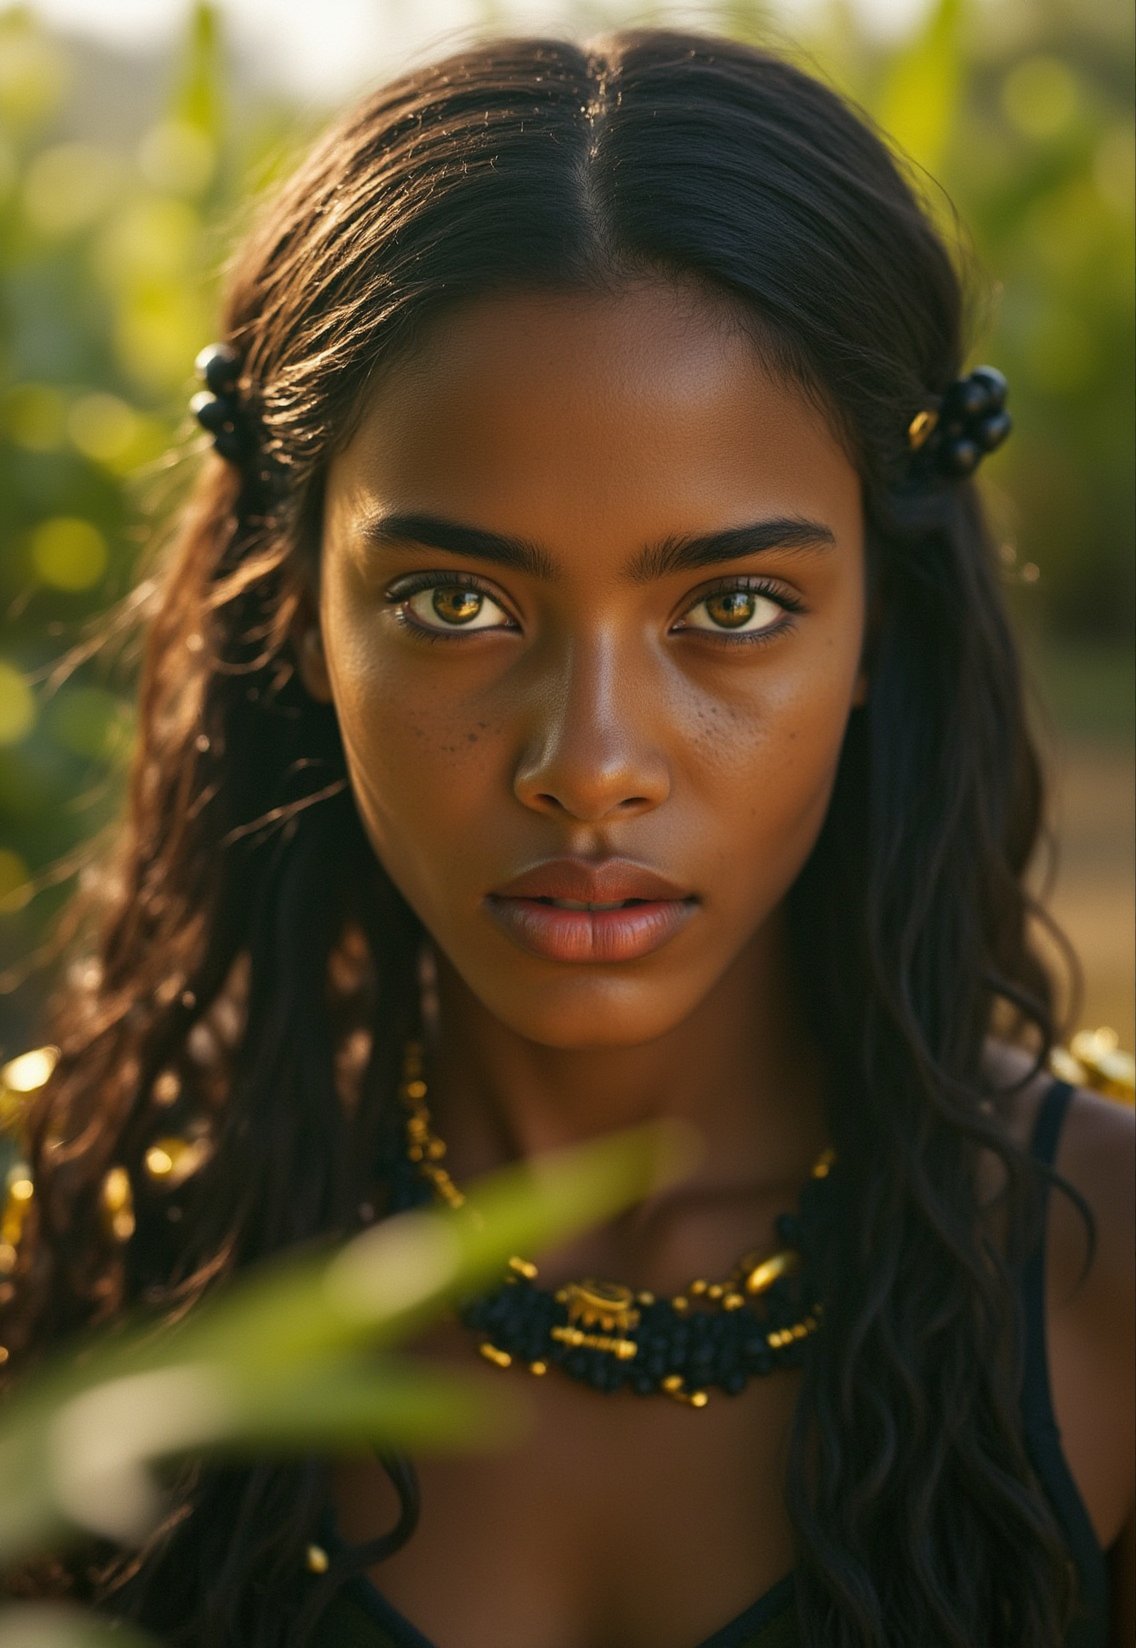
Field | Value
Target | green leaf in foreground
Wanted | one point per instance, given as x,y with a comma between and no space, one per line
296,1355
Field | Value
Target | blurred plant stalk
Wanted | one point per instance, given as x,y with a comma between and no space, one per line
294,1356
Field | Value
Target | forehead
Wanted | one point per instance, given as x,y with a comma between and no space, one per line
604,419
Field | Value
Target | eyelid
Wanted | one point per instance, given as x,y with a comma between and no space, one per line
402,590
412,583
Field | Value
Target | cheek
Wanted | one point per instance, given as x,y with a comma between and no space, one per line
765,766
778,732
419,764
772,776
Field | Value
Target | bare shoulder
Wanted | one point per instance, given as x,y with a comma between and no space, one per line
1096,1153
1095,1285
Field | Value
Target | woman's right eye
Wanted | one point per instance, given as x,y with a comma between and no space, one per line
458,607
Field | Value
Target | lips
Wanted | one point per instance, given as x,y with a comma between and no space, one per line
613,881
572,910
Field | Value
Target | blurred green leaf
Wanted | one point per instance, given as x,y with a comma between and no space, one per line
295,1353
198,100
919,97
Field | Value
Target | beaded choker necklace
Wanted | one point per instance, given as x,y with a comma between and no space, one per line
614,1337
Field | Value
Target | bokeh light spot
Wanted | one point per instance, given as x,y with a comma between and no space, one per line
29,1070
17,705
68,553
1041,96
35,415
102,427
33,74
68,187
151,237
15,882
157,333
175,155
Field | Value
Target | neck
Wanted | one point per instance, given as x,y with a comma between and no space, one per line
740,1069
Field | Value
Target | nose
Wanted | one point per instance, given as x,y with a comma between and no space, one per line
589,754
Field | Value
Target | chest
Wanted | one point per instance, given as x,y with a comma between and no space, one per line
625,1522
615,1522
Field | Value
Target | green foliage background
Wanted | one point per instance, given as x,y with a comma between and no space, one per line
110,250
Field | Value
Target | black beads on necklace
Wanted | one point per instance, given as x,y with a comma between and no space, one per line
675,1352
713,1335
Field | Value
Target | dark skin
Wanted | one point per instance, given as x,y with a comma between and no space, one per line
604,695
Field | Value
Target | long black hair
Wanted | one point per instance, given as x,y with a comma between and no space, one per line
532,163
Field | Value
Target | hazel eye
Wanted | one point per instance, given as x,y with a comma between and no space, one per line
455,606
734,610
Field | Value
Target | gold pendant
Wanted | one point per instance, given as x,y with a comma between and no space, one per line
606,1305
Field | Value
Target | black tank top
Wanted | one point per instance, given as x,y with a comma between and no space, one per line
1042,1435
360,1617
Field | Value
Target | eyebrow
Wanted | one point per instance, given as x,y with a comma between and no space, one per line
686,554
671,555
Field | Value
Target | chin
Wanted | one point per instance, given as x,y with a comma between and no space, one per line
585,1015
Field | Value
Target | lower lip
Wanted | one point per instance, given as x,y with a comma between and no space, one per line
590,935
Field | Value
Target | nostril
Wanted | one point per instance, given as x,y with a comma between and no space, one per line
630,803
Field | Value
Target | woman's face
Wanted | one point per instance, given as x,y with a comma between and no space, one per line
592,602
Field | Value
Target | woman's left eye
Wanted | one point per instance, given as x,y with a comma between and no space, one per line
737,611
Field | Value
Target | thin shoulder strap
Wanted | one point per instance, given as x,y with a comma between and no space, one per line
1047,1122
1042,1434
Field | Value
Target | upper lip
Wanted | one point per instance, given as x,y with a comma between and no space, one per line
606,882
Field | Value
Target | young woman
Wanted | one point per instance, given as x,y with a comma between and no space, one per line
580,691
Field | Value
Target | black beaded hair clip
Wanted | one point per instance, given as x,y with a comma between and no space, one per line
217,407
964,424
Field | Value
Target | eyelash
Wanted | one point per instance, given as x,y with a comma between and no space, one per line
406,588
750,586
401,594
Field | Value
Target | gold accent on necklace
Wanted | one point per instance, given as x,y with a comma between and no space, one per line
607,1305
425,1148
673,1386
625,1349
492,1354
